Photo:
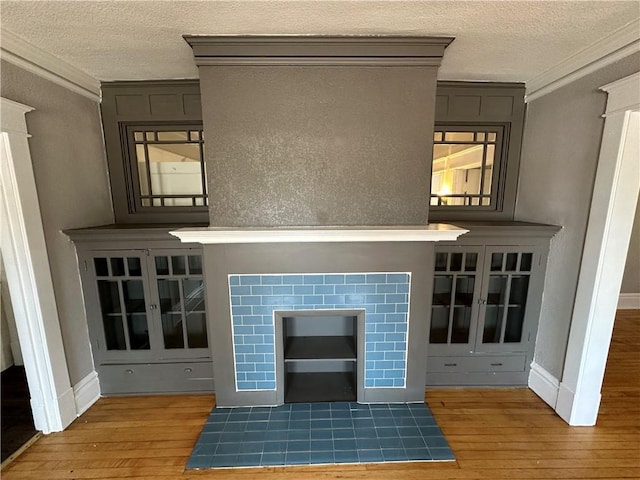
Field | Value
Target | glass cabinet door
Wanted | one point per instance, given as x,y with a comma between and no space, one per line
454,300
504,298
181,308
122,302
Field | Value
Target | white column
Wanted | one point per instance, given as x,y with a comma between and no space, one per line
26,262
606,243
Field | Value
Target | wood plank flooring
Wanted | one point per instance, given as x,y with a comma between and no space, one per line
494,433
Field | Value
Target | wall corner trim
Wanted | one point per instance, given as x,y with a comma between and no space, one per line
33,59
86,392
629,301
620,44
543,384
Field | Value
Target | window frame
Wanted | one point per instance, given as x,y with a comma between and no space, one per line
498,174
131,173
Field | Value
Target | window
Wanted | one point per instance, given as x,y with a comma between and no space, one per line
466,166
166,167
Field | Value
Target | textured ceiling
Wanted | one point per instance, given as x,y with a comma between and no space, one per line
141,40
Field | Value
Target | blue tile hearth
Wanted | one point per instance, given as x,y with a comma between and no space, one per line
319,433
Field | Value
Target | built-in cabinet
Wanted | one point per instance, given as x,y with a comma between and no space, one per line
146,313
486,295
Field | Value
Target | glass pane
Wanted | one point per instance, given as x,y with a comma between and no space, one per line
488,170
515,320
146,202
464,290
519,289
195,264
491,137
162,265
171,313
458,137
441,262
492,324
138,331
102,267
470,262
480,136
178,265
195,135
172,330
172,136
175,169
525,262
496,262
135,270
442,286
138,136
461,325
456,262
439,325
437,136
111,315
117,267
512,261
497,289
141,158
197,330
151,136
193,295
133,293
495,308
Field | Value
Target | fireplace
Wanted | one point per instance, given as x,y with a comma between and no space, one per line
269,288
318,155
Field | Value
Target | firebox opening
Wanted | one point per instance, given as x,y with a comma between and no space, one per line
320,358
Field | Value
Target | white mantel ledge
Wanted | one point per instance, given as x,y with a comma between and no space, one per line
434,232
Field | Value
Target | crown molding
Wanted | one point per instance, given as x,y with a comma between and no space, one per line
620,44
345,50
25,55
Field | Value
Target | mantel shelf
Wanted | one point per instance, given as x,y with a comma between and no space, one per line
434,232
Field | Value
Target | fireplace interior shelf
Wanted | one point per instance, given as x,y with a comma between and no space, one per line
320,348
320,387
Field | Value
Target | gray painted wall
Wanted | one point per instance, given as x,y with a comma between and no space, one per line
73,191
561,145
318,145
631,278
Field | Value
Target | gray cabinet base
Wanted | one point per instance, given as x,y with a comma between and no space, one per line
188,377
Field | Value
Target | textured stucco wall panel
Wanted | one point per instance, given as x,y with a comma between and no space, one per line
318,145
563,132
73,191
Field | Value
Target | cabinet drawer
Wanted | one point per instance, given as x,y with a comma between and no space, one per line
156,378
471,364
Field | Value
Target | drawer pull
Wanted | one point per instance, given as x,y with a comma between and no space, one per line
450,364
188,370
497,364
128,371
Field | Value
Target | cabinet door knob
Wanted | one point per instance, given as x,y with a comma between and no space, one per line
188,370
128,371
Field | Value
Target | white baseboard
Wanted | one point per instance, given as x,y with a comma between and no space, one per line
543,384
564,406
86,392
629,301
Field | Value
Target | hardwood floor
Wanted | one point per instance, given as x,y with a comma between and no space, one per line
494,433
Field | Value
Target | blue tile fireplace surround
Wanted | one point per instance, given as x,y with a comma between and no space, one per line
384,297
